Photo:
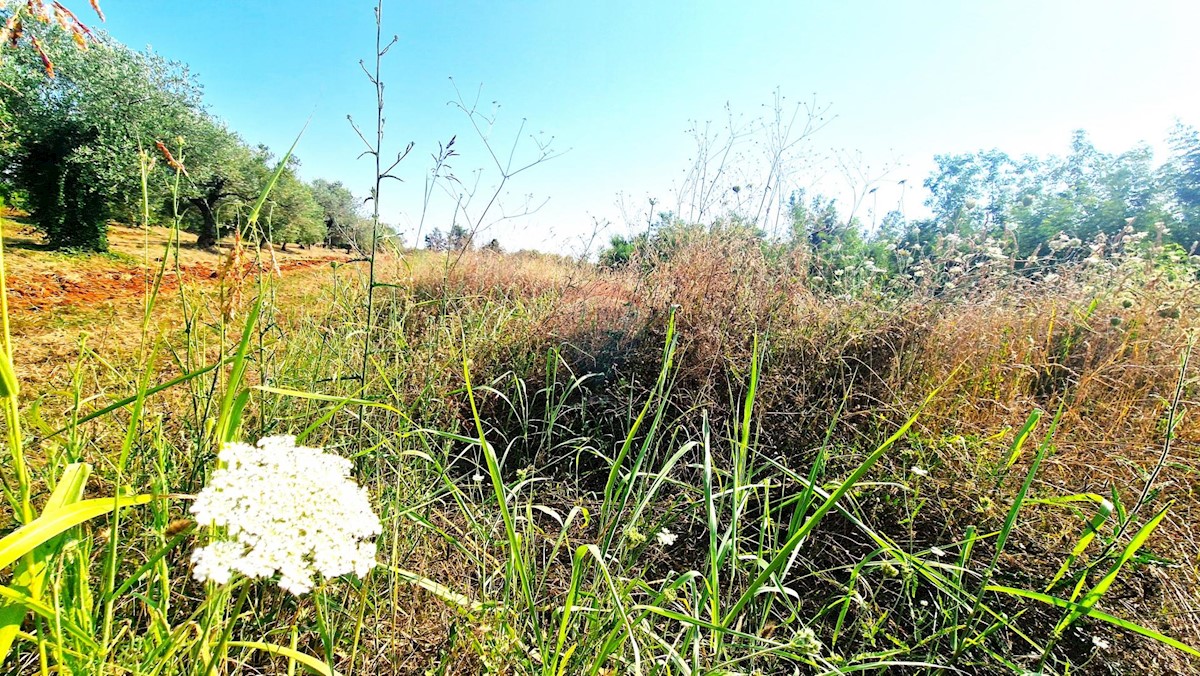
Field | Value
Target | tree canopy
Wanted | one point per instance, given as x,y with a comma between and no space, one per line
73,145
345,225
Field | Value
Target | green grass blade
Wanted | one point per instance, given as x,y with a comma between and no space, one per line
1010,520
122,403
1092,597
1090,530
1073,608
785,552
309,662
1022,436
439,590
227,416
26,538
15,599
515,556
29,577
558,662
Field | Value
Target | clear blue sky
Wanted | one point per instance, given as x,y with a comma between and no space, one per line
617,83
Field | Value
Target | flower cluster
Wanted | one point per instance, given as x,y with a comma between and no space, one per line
286,510
665,537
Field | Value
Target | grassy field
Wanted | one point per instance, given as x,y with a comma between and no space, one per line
700,464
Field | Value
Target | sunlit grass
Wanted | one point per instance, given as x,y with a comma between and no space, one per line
589,472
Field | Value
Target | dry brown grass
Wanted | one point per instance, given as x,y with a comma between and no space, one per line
1096,343
858,364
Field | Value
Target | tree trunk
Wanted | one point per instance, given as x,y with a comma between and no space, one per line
208,235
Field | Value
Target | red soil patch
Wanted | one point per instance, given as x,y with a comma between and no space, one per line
35,291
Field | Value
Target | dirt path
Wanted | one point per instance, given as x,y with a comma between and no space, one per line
41,281
59,301
35,291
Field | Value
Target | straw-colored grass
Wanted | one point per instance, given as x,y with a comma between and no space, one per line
859,482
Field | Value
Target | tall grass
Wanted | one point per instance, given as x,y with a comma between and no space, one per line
555,510
713,461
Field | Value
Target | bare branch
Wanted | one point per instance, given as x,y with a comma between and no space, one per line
358,131
395,39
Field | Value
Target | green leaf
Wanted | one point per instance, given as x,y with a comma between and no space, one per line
307,661
28,537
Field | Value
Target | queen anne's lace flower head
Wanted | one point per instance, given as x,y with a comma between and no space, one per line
286,510
665,537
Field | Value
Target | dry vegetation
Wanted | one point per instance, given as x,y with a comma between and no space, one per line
959,444
567,354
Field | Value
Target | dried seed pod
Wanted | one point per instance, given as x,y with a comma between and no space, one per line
178,526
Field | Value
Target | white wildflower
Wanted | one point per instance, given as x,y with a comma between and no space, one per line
478,478
215,562
919,471
1100,643
665,537
286,510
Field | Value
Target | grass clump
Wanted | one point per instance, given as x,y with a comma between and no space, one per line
714,453
701,466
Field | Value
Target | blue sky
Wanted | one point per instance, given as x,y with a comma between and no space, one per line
617,85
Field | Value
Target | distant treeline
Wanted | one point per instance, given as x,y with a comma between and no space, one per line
1028,212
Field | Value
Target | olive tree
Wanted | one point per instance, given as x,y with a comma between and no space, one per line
223,175
76,137
292,214
345,226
